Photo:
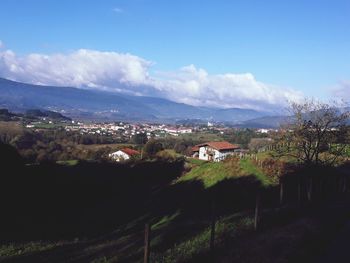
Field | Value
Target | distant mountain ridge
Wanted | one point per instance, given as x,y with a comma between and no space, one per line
99,105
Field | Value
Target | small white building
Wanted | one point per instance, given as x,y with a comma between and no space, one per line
262,130
184,130
123,155
214,151
171,130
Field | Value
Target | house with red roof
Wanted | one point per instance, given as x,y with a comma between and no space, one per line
123,154
215,151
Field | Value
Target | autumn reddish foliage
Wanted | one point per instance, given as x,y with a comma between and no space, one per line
275,169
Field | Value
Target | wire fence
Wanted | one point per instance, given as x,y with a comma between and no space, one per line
266,207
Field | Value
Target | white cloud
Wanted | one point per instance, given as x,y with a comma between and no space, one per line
342,90
118,10
129,73
80,68
197,87
1,44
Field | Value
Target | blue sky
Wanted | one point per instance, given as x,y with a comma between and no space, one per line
299,45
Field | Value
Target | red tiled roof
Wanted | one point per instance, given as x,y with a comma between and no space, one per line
217,145
222,145
195,148
129,151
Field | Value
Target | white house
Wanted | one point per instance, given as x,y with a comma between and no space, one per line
123,155
174,131
171,130
184,130
214,151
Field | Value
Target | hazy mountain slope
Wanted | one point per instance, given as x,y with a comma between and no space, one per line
88,104
238,115
20,96
266,122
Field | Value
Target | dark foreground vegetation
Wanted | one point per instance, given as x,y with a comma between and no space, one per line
58,201
95,212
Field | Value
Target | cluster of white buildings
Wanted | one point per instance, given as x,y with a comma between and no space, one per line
127,130
97,128
177,131
266,130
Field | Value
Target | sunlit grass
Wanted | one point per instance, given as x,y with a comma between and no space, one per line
210,173
195,161
166,220
250,169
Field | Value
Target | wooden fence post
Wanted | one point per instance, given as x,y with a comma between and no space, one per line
281,192
147,243
344,184
339,184
212,227
299,190
257,211
321,188
309,189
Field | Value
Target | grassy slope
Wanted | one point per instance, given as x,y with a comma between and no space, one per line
184,246
208,173
190,248
202,136
113,146
299,240
211,173
249,168
126,241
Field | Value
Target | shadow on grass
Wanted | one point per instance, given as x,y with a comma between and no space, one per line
50,201
194,203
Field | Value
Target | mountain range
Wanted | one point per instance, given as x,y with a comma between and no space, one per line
102,105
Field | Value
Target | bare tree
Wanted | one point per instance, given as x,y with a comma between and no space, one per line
315,134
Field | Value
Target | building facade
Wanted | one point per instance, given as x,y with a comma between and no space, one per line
214,151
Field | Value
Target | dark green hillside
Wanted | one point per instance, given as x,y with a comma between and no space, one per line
36,113
5,115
